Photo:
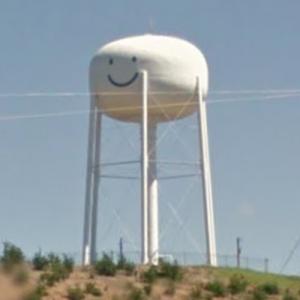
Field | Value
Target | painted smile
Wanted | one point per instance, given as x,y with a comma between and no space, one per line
122,84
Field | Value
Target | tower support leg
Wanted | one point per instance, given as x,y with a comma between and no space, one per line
92,181
95,191
153,197
206,179
144,171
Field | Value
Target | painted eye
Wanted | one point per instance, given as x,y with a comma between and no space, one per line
134,59
111,61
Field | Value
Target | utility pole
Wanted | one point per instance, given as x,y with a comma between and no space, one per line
238,252
266,265
121,249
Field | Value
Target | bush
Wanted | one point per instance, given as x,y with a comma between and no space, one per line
150,275
258,294
49,278
217,288
148,289
91,289
196,293
208,297
39,261
170,271
53,259
124,264
106,266
56,269
12,256
270,288
37,294
68,263
164,270
136,294
237,284
288,296
75,293
21,277
171,289
59,270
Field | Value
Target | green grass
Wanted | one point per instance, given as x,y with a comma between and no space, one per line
258,278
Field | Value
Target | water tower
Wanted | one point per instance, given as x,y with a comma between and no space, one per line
147,80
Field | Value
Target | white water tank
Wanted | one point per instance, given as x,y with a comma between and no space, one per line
172,65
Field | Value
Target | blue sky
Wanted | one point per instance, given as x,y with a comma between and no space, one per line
47,46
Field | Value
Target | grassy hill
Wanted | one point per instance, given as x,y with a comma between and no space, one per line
194,283
52,277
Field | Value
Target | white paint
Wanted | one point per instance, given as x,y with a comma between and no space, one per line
95,190
206,179
144,172
152,198
172,65
92,186
147,79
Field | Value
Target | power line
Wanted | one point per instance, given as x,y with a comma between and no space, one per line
290,255
86,94
269,91
127,108
42,116
253,99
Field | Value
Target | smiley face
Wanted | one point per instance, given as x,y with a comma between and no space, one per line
124,83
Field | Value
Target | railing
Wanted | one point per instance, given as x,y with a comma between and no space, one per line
186,258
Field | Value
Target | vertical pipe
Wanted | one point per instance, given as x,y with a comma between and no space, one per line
144,170
86,249
206,179
238,252
96,175
153,197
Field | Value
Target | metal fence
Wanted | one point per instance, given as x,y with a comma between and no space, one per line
186,258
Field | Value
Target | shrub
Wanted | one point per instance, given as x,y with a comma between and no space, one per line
37,294
21,276
165,270
121,262
91,289
196,293
12,256
127,266
68,263
170,271
106,266
53,259
57,269
270,288
288,296
237,284
258,294
148,289
150,275
136,294
49,278
217,288
171,289
39,261
75,293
